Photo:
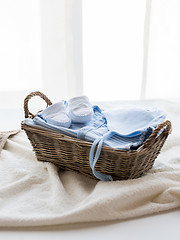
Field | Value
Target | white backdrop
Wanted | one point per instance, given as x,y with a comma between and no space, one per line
163,76
40,49
130,49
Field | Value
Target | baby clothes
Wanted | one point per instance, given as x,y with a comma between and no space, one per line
125,128
56,115
77,110
80,109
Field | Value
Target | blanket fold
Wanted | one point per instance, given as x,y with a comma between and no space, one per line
4,136
34,193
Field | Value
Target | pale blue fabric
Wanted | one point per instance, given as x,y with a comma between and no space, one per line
125,128
130,121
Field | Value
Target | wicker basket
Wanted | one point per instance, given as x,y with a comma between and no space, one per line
69,153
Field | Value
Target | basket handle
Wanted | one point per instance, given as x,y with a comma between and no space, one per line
165,127
29,96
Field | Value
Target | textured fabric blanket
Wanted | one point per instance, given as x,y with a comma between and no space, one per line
34,193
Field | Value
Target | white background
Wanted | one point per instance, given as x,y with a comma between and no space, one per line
115,33
113,38
42,41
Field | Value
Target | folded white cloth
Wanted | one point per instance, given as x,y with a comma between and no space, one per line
34,193
80,109
56,115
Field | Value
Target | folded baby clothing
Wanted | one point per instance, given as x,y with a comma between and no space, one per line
80,109
56,115
132,121
125,128
77,110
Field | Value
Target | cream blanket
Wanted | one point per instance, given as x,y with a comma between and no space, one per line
34,193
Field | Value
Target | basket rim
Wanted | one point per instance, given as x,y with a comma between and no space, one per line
64,137
164,127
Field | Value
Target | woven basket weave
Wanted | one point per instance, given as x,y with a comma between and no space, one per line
69,153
